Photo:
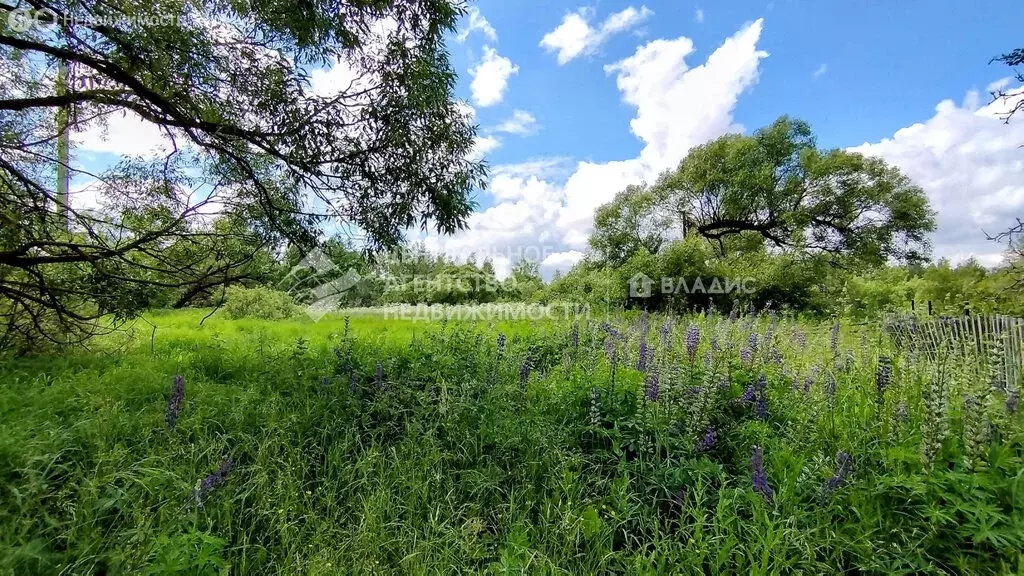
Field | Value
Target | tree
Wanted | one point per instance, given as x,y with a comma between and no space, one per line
1014,236
1012,59
634,220
777,187
248,139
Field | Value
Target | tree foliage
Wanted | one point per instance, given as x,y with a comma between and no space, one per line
248,140
778,189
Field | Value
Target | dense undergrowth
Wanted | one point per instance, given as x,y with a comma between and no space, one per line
643,445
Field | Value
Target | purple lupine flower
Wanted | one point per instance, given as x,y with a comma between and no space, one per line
715,346
213,480
844,465
1013,402
524,372
748,395
883,376
575,335
693,391
753,343
707,359
501,344
776,356
692,341
708,441
174,401
611,350
746,356
761,403
808,383
653,386
801,339
378,375
641,361
835,338
760,477
830,389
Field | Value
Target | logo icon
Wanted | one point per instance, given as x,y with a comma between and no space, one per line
319,283
640,286
20,20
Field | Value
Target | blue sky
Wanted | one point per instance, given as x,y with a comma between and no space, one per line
574,101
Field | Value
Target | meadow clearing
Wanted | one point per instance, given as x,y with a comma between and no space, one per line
635,444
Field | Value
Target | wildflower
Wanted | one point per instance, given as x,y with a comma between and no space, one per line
174,402
760,477
830,389
1013,402
748,395
883,376
653,387
207,484
844,465
501,345
575,335
715,346
800,337
708,441
976,433
776,356
835,338
808,383
753,343
595,407
851,359
641,362
761,403
746,356
524,372
707,359
692,341
611,350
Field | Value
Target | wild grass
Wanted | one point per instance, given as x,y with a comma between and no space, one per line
388,446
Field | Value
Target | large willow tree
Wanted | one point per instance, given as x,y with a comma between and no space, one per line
775,188
253,156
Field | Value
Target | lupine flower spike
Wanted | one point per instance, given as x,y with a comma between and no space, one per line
207,484
175,401
760,477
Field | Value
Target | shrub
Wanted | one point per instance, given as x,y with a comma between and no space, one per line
259,302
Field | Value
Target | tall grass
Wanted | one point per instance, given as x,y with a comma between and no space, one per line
381,446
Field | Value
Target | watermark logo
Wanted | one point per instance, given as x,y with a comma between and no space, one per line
25,19
44,19
640,285
320,283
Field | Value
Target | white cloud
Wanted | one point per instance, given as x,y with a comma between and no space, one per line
477,22
999,85
971,166
521,123
534,215
575,36
548,168
490,77
484,145
820,71
699,16
124,133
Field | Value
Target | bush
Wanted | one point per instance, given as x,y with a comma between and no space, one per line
259,302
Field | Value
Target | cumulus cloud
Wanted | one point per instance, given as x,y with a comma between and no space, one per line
477,22
552,168
522,123
490,78
575,36
699,16
536,216
123,133
971,166
483,145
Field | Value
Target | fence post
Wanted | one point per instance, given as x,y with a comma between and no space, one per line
929,307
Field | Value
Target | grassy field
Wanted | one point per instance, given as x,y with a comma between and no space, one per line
640,445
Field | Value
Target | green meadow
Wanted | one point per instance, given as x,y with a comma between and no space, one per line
635,444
